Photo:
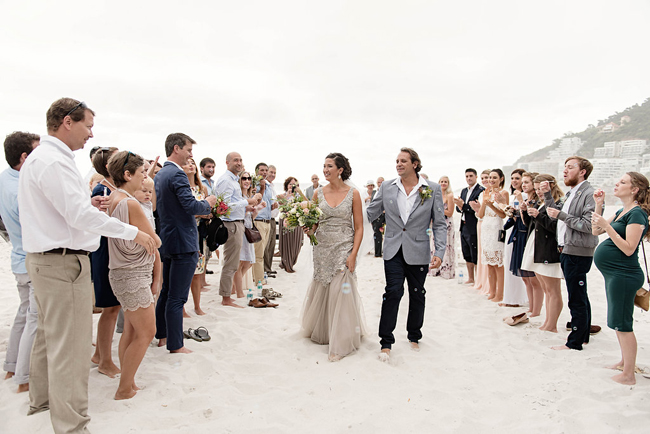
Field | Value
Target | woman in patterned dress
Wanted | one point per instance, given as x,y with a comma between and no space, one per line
447,269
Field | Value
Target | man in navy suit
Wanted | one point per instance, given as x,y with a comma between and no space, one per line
180,239
468,241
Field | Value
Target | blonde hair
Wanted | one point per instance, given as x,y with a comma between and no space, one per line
531,176
449,190
148,182
556,192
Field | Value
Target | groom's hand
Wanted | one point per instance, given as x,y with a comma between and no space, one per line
435,262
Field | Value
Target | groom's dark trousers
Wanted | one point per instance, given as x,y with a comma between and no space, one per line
396,270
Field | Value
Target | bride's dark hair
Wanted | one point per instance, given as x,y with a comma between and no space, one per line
341,163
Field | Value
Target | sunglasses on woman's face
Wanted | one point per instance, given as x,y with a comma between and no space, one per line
246,178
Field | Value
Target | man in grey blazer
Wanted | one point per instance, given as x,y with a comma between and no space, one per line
412,205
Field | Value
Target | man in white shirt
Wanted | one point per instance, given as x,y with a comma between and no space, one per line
270,246
207,172
228,185
61,228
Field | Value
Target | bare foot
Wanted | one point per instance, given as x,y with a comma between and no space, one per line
205,288
9,375
199,311
109,370
622,379
134,387
127,394
227,301
491,296
185,314
495,300
335,357
384,356
162,342
618,366
23,388
95,358
181,350
560,347
414,346
469,282
533,315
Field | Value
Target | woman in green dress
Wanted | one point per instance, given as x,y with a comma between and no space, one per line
617,259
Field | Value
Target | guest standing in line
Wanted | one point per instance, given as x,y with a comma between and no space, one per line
228,186
468,222
541,254
262,220
131,269
514,290
617,259
448,268
63,227
290,241
313,187
491,244
17,147
275,211
481,274
104,297
176,207
207,172
577,245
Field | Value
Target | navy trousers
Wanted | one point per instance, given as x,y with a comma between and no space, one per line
178,270
575,269
396,270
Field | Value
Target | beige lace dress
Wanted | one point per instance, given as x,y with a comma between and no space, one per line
332,312
130,266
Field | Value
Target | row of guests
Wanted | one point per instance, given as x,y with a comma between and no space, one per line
551,236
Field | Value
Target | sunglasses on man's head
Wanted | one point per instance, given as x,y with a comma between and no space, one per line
81,104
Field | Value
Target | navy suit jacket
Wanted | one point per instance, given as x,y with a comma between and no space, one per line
470,216
177,207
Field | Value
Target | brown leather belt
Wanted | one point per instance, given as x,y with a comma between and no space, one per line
560,248
64,251
263,221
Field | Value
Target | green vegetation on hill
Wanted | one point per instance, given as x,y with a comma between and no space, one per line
592,138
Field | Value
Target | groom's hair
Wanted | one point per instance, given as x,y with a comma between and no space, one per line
415,158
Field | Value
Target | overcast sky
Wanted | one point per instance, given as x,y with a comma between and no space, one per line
465,83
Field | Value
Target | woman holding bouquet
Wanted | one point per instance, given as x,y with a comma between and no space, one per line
332,312
290,240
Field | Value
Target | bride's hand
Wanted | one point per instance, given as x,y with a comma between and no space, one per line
351,262
308,231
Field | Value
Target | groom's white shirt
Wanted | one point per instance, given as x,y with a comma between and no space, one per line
406,202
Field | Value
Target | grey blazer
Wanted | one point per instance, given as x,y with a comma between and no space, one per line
412,237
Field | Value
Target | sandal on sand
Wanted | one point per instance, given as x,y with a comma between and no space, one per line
256,302
270,293
522,318
191,334
637,370
268,303
202,332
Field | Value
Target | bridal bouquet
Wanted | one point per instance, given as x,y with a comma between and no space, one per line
300,213
221,208
256,180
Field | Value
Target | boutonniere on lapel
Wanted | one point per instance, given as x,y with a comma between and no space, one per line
425,193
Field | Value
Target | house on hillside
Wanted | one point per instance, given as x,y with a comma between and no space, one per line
609,128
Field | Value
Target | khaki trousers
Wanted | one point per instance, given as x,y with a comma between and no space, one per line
60,360
258,266
270,247
231,251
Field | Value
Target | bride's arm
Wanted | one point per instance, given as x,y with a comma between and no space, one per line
357,216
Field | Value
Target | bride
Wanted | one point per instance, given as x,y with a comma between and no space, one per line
332,312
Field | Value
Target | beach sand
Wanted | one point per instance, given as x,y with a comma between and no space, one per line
258,375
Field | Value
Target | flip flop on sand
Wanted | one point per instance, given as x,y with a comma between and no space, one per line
202,332
191,334
645,372
522,318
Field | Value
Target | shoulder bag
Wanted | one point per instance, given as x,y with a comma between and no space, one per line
642,297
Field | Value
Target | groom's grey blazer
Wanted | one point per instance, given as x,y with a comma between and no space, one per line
412,237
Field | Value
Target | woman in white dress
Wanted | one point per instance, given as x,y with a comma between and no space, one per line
541,254
332,312
481,270
247,252
514,290
491,248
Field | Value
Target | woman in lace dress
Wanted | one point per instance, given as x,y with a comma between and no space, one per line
491,248
131,269
332,312
447,269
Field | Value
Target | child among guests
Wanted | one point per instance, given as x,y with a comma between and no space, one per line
144,196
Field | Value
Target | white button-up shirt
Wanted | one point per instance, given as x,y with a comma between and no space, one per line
228,185
54,203
406,202
561,226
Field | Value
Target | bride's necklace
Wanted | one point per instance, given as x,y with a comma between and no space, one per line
109,184
125,192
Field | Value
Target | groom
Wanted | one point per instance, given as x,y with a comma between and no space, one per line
412,204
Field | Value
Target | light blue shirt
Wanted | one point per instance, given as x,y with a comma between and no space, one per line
209,184
10,217
265,213
228,185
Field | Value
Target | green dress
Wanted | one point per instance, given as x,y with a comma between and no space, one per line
623,274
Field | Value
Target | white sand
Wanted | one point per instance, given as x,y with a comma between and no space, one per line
257,375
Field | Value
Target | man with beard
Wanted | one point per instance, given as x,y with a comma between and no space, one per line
576,245
263,221
207,172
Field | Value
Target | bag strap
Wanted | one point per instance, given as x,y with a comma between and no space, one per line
645,261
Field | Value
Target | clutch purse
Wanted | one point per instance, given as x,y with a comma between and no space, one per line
642,297
501,237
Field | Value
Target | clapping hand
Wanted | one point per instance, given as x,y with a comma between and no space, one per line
553,212
533,212
475,205
459,202
599,196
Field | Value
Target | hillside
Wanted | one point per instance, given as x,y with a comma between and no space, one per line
638,127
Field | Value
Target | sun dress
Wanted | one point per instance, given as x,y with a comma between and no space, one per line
491,247
447,269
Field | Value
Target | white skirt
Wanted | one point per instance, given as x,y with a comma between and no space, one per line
528,262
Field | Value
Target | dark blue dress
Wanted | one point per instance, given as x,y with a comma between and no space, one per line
104,296
518,238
